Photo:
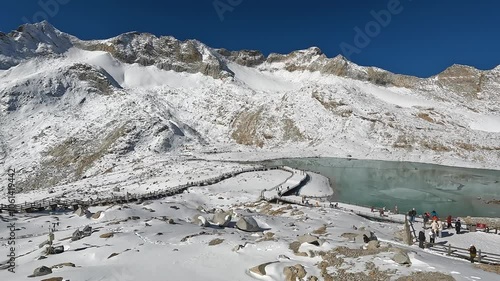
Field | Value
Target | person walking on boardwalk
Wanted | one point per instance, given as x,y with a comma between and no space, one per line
472,252
458,225
421,239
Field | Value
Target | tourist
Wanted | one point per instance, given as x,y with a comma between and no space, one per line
440,228
426,216
458,225
421,239
396,209
413,214
434,215
432,237
472,252
448,222
434,226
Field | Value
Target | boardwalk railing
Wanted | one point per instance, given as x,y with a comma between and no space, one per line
481,257
39,205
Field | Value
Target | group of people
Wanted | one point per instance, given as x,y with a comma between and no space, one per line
436,226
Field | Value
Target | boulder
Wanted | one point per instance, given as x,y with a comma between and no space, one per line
248,224
41,271
373,244
200,220
77,235
292,273
80,212
106,235
216,241
401,258
261,269
369,234
87,230
53,279
54,250
97,215
88,214
311,239
301,272
222,218
69,264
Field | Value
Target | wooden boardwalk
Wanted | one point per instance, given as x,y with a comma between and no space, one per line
54,203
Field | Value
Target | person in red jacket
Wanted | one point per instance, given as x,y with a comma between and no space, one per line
448,222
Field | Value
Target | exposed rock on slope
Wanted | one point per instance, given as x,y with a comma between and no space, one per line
72,109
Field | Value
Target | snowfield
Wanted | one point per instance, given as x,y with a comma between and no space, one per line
149,241
139,113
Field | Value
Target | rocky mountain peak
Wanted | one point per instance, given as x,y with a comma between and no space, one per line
164,52
464,80
31,40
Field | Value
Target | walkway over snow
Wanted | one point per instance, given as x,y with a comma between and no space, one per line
53,203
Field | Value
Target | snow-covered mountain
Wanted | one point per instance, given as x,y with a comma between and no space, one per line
72,108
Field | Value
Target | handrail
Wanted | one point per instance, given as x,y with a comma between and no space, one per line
482,257
44,203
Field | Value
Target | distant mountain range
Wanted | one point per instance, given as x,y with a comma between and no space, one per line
72,108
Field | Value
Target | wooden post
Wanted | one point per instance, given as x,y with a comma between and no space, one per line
449,249
479,256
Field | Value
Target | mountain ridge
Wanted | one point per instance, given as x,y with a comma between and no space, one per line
238,56
78,109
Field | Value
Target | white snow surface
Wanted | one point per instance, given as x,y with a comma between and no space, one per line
149,248
144,129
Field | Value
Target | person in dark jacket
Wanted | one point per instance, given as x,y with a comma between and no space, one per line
421,239
472,252
412,213
426,216
458,225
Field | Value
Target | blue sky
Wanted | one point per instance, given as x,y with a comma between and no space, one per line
422,37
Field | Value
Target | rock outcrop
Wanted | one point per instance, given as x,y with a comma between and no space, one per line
248,224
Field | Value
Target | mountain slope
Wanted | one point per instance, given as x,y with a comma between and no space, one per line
73,108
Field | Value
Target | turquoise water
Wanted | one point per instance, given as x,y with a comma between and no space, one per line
425,187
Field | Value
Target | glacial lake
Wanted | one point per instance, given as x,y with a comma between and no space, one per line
425,187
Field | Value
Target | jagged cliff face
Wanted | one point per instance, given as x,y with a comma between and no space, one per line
192,56
71,108
166,53
469,82
30,41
